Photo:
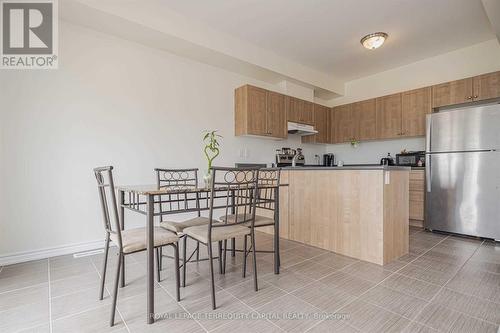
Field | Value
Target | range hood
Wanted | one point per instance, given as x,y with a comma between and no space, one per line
301,129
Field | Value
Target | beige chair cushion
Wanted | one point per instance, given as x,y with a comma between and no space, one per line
135,239
200,233
259,220
179,227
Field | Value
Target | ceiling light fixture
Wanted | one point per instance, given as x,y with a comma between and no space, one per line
374,41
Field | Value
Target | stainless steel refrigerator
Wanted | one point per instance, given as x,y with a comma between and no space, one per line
463,171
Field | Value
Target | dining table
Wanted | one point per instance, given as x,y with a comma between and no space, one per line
147,200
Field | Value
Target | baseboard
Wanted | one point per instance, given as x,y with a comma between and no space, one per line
15,258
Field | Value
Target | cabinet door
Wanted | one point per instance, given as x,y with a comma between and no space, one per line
276,115
294,109
250,111
389,116
307,114
416,104
365,114
346,128
454,92
320,125
486,86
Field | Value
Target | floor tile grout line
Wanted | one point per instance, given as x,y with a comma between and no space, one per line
183,307
376,285
117,308
19,289
443,286
50,293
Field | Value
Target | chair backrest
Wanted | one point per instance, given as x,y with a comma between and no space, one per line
269,179
107,198
234,188
178,178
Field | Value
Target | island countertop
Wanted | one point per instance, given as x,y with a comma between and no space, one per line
358,211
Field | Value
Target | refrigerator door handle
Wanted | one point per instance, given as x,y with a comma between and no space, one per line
428,149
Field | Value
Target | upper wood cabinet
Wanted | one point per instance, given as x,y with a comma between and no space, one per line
300,111
389,116
276,115
416,104
454,92
486,86
365,118
259,112
475,88
320,124
344,124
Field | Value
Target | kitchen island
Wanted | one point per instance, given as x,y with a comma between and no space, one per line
358,211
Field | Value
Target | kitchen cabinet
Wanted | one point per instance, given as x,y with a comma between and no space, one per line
454,92
300,111
389,116
320,124
259,112
344,124
416,104
417,195
276,115
486,86
365,118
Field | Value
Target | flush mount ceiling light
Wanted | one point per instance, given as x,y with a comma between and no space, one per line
374,41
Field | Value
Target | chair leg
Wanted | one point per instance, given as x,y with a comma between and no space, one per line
220,257
212,283
197,251
233,247
225,257
122,272
245,256
115,291
104,265
177,274
254,250
161,258
157,253
184,261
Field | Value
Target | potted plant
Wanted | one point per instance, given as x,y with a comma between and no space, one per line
211,151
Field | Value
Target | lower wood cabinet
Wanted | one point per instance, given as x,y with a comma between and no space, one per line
417,196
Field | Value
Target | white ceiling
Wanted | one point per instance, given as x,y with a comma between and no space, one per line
325,34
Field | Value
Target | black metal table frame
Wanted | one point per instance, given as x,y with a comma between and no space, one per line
135,204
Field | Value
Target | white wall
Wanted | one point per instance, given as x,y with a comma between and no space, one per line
474,60
111,102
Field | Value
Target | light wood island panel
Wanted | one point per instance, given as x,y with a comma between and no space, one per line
358,213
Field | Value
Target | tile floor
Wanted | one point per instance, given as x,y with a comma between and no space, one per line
446,284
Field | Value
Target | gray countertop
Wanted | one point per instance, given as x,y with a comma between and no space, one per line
350,167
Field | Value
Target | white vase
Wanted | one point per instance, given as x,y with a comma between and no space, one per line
207,179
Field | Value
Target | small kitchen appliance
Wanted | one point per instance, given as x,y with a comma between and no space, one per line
328,160
387,160
411,158
284,157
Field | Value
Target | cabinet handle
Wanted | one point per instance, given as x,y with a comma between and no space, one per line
469,97
475,96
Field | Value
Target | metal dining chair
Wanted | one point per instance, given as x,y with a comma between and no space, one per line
268,182
128,241
235,188
180,202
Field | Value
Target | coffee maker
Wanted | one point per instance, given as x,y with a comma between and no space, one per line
328,160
